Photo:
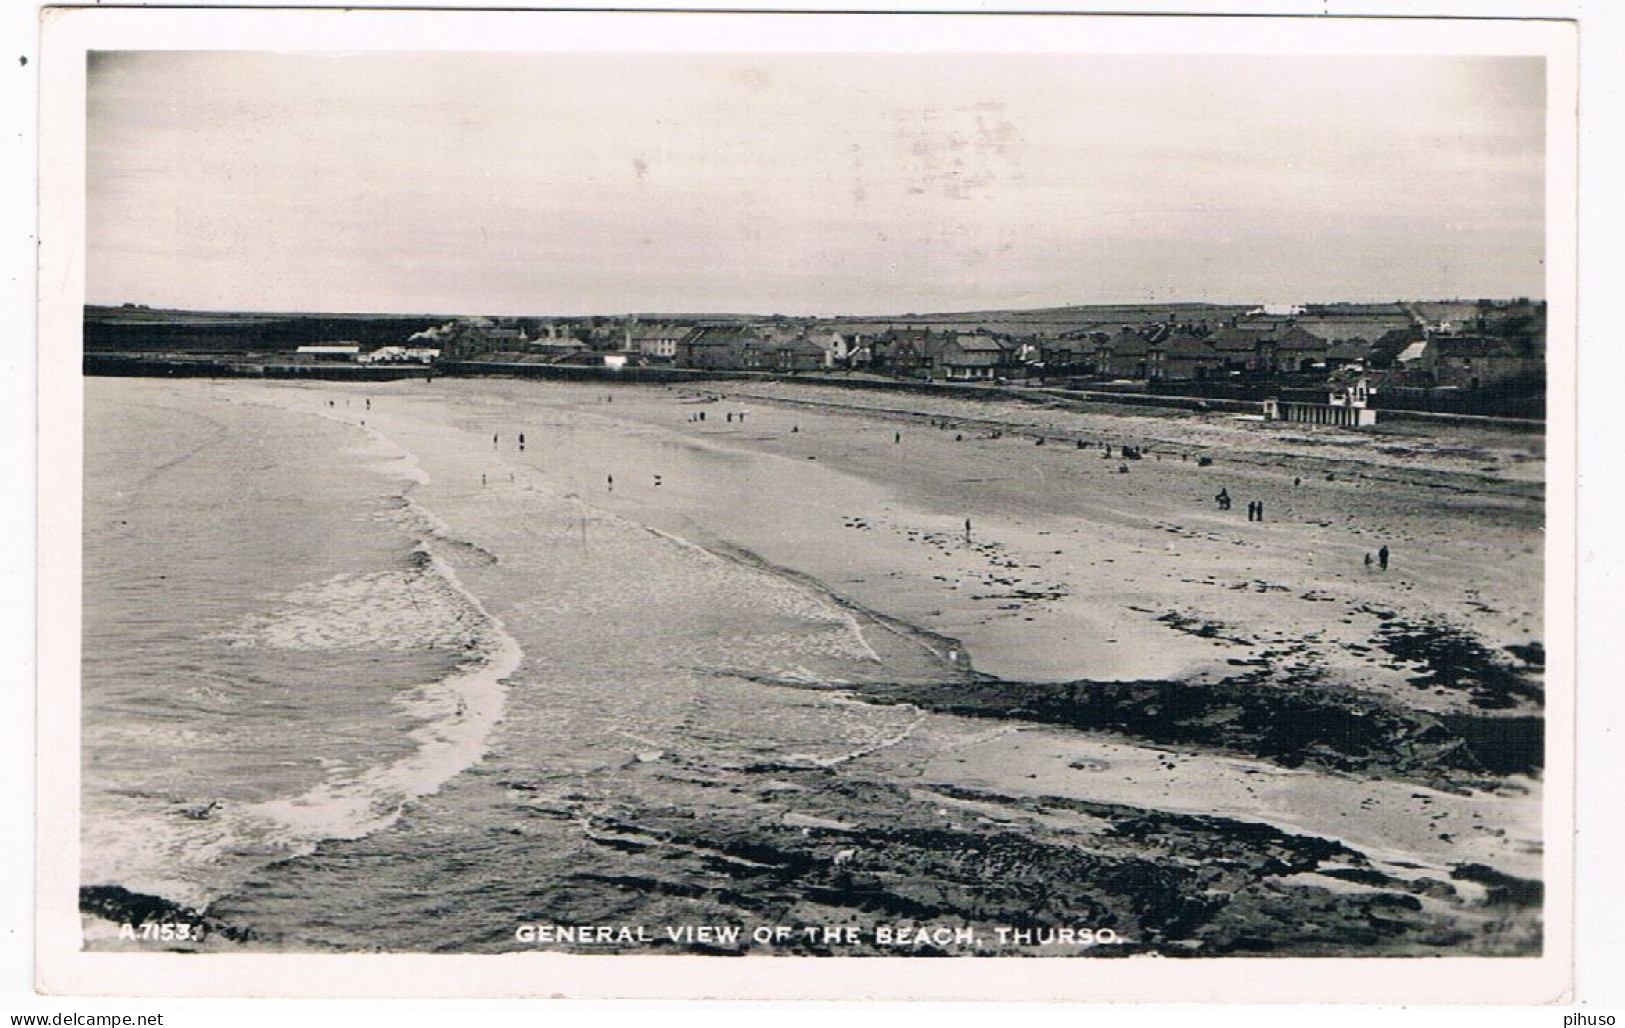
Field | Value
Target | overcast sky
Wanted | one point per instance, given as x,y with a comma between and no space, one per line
537,183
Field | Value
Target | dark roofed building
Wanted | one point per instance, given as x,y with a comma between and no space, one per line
967,357
902,351
793,354
1293,350
1237,346
1183,357
717,348
1346,352
1472,361
1127,355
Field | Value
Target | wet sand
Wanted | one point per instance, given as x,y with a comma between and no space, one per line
1103,653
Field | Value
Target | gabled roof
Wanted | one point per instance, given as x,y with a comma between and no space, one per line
657,332
1185,346
1350,349
1296,338
1237,339
1128,344
1472,346
977,358
908,335
723,337
979,344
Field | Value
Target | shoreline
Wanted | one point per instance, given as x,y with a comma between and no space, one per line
1119,641
1032,595
1463,711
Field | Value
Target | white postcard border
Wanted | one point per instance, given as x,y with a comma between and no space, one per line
63,969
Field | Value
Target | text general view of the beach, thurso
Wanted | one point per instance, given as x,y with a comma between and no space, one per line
1022,505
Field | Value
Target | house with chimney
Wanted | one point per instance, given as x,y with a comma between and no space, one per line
790,352
972,357
718,348
1290,351
1471,361
1181,356
658,342
1348,353
903,351
1126,355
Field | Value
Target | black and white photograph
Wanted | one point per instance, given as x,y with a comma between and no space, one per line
1089,494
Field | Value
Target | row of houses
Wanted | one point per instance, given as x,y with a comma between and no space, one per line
1160,353
1265,349
1264,343
1155,353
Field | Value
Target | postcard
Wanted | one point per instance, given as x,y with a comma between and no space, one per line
801,505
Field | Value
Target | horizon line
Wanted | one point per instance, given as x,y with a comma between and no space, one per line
868,316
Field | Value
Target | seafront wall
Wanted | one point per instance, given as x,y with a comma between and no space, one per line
119,365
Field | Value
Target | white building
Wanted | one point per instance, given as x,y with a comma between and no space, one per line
331,351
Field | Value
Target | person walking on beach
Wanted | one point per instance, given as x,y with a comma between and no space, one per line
521,442
1223,499
495,440
967,531
611,483
897,437
1368,559
1382,557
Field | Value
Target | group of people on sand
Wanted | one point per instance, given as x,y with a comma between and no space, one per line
1255,512
1255,508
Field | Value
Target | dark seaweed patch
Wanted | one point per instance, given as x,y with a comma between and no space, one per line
1504,889
1451,659
1293,724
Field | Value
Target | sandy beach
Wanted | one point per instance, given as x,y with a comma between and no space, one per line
1106,695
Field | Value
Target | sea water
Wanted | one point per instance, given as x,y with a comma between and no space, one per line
336,704
274,653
